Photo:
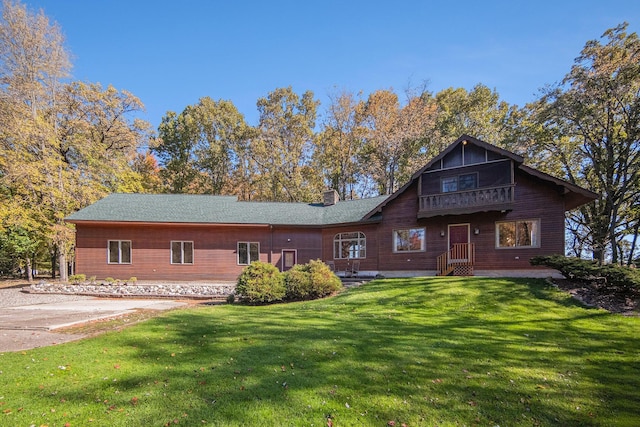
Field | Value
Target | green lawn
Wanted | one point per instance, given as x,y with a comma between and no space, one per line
424,352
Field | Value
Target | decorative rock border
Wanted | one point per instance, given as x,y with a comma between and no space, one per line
165,290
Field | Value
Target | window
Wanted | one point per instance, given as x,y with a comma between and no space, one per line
449,185
468,181
518,234
181,252
349,245
248,252
409,240
119,252
464,182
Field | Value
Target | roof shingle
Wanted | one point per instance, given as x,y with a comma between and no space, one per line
206,209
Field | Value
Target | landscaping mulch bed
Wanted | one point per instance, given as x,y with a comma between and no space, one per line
598,294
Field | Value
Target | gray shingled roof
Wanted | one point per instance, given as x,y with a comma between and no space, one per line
183,208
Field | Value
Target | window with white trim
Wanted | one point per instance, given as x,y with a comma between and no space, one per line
518,234
349,245
181,252
248,252
409,240
119,252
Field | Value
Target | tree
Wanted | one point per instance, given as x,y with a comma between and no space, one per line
394,136
33,60
222,132
198,148
283,148
339,144
593,124
63,144
33,63
478,112
144,176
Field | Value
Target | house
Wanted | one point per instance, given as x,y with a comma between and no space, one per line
474,209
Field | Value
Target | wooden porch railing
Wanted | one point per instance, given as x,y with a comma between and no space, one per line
478,197
461,256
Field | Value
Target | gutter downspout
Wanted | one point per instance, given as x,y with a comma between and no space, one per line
270,243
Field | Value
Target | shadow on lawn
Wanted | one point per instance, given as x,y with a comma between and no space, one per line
467,352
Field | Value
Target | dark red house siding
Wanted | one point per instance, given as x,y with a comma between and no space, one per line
532,195
215,249
533,200
215,246
306,241
370,263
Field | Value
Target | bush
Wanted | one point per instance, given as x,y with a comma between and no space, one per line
77,278
310,281
297,283
581,269
260,283
324,281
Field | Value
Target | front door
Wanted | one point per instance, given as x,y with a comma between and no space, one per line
458,242
289,258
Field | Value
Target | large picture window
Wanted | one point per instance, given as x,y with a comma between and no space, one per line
248,252
181,252
349,245
119,252
409,240
518,234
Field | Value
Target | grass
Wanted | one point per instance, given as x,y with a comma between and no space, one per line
428,351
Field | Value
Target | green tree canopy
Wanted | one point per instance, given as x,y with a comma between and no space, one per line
592,127
64,144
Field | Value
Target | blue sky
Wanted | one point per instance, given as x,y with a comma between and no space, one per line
171,53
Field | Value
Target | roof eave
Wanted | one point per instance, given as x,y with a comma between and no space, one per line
575,196
516,158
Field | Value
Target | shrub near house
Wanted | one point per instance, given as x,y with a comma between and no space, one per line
311,281
262,283
611,275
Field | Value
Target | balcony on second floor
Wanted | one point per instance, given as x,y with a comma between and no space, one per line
497,198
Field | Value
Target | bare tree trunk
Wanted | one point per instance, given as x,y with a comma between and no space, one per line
54,256
28,273
62,261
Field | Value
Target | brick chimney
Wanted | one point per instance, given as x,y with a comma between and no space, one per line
331,197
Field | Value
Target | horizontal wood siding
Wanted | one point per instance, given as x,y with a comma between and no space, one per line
370,263
215,246
306,241
402,214
533,200
215,250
